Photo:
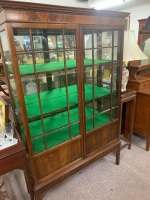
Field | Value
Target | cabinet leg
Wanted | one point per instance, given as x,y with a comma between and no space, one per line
147,143
129,146
37,195
118,156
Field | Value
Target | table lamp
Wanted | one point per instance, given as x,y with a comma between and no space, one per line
131,52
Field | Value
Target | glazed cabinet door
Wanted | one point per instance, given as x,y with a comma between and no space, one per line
101,85
46,60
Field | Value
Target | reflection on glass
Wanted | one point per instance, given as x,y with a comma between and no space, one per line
117,37
103,38
87,39
31,88
106,53
116,53
70,55
37,43
54,56
72,77
22,40
5,46
106,76
115,77
25,63
114,113
12,85
88,75
24,59
88,54
29,85
115,99
103,103
145,48
70,39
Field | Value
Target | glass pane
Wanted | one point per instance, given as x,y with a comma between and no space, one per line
87,39
89,124
145,49
106,76
35,128
51,97
54,56
88,55
45,62
22,40
97,120
13,85
57,137
55,121
70,39
117,37
114,114
38,42
30,89
102,38
115,78
101,59
75,130
106,54
103,103
116,55
5,46
29,85
55,95
72,77
114,99
38,145
102,119
73,115
25,63
70,55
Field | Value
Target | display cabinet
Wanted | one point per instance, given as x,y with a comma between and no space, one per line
64,67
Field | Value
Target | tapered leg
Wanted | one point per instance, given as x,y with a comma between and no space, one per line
118,155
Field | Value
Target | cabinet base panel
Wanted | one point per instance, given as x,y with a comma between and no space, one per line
44,186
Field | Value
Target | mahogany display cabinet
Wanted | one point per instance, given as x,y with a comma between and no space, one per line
64,70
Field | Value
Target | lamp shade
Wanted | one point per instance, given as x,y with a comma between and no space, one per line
131,50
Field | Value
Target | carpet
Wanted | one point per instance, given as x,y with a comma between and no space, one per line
3,192
102,180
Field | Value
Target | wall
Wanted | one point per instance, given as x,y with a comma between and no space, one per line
137,13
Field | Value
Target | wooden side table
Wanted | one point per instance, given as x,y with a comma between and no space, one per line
14,157
128,98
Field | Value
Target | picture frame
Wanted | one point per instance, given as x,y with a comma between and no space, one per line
4,112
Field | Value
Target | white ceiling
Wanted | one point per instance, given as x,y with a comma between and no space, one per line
126,5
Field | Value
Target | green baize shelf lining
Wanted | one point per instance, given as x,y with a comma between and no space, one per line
55,65
62,135
55,99
59,120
